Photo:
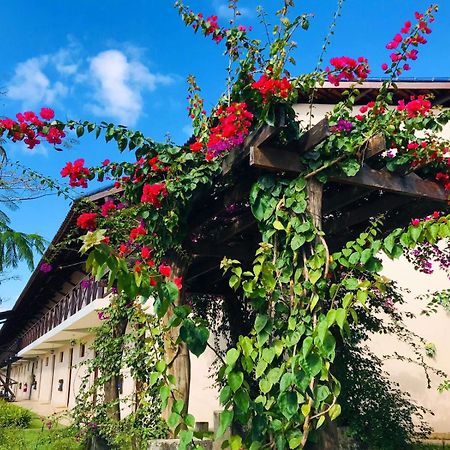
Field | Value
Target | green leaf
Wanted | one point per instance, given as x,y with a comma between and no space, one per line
196,338
297,242
350,167
235,380
225,419
80,130
235,442
164,393
225,395
242,400
335,411
288,404
320,422
189,420
295,440
314,276
173,420
260,368
260,322
232,356
185,439
341,315
265,386
278,225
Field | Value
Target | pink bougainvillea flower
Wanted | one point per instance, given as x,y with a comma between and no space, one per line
415,222
47,113
45,267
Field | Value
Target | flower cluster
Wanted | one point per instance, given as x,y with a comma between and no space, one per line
152,194
342,126
271,87
77,173
108,206
208,26
419,106
29,127
87,221
45,267
347,69
407,37
233,127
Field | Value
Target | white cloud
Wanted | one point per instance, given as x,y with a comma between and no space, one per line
119,83
31,85
64,64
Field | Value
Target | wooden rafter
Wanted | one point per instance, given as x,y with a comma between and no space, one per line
411,185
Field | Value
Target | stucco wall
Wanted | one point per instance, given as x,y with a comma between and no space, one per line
434,329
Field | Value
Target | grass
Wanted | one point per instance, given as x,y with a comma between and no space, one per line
37,436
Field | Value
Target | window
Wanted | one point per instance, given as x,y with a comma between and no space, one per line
46,361
61,356
82,350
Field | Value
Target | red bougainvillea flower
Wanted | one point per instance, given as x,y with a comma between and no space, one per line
196,146
165,270
347,69
145,252
233,127
153,282
138,231
108,206
415,222
54,135
47,113
77,173
123,249
137,266
153,192
270,87
106,162
87,221
178,282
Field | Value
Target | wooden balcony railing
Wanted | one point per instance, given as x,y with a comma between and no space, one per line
79,297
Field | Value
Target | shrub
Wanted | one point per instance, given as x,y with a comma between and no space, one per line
13,416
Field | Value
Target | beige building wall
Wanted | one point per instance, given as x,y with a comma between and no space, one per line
434,329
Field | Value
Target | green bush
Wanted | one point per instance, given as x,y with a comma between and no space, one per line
13,416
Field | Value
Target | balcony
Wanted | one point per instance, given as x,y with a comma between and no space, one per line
83,297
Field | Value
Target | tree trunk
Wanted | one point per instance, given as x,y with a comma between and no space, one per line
111,387
177,355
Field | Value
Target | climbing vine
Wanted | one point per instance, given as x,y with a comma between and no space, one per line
304,295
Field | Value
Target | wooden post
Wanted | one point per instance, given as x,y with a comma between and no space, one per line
328,436
111,387
177,355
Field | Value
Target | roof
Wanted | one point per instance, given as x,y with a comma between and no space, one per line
42,286
438,87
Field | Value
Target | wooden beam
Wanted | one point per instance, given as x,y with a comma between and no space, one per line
375,145
346,196
411,185
242,224
311,138
372,208
274,159
257,138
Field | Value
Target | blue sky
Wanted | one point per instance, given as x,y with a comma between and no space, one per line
126,62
